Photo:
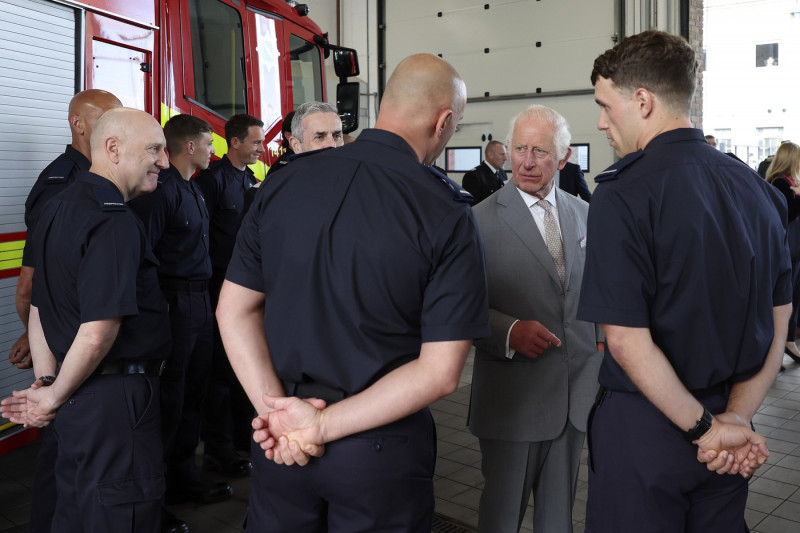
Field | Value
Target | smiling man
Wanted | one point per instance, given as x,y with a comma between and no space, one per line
98,312
688,271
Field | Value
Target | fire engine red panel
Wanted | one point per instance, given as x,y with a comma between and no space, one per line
140,10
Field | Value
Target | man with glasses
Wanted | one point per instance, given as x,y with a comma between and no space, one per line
535,376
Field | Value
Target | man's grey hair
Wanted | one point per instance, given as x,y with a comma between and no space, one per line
309,108
550,116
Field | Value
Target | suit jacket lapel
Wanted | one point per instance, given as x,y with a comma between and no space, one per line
518,216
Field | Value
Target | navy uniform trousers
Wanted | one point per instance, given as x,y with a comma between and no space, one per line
185,378
109,469
644,476
377,480
227,410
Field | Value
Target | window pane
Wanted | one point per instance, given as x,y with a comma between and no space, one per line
269,76
218,55
767,55
306,73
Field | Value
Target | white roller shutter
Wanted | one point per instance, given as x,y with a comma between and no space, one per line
38,65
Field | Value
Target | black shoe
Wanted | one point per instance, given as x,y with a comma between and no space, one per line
788,352
171,523
228,463
198,490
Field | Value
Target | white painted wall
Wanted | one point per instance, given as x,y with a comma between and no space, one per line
571,32
738,96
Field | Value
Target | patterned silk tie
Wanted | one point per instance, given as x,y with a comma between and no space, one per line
553,240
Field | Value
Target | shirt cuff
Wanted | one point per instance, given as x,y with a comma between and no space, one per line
509,352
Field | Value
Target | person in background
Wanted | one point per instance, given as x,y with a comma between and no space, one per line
570,179
784,173
710,139
98,314
227,413
85,108
286,133
674,225
489,176
176,222
316,125
363,318
535,377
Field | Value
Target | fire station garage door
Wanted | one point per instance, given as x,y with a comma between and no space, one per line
38,62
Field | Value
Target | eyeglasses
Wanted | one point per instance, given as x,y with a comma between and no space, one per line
538,153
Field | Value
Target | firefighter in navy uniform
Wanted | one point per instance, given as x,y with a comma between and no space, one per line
176,222
227,413
357,278
98,312
84,110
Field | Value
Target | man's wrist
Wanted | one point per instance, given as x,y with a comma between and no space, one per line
701,427
46,380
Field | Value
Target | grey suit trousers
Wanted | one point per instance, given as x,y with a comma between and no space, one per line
508,485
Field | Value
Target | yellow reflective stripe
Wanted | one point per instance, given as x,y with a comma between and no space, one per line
12,246
11,263
220,144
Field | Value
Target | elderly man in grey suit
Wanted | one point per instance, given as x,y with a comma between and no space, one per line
535,377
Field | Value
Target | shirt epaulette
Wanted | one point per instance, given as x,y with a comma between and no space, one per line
62,167
612,172
459,193
109,199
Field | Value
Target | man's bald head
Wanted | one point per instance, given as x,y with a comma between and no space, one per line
129,148
423,102
84,110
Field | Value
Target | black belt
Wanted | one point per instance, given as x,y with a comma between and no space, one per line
180,285
314,389
127,367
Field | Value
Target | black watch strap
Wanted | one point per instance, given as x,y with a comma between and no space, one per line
47,380
702,426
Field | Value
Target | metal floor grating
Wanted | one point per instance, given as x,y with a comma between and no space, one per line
442,524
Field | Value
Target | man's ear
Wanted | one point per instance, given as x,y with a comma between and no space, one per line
297,147
76,124
645,100
189,147
445,116
564,159
113,146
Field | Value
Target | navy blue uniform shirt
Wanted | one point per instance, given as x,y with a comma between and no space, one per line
224,187
176,222
52,180
690,243
363,254
97,264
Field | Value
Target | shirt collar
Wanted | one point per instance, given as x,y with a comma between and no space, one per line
494,170
531,200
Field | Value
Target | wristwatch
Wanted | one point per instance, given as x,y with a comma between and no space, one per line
702,426
47,380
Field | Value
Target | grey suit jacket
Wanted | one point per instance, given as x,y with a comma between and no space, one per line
522,399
